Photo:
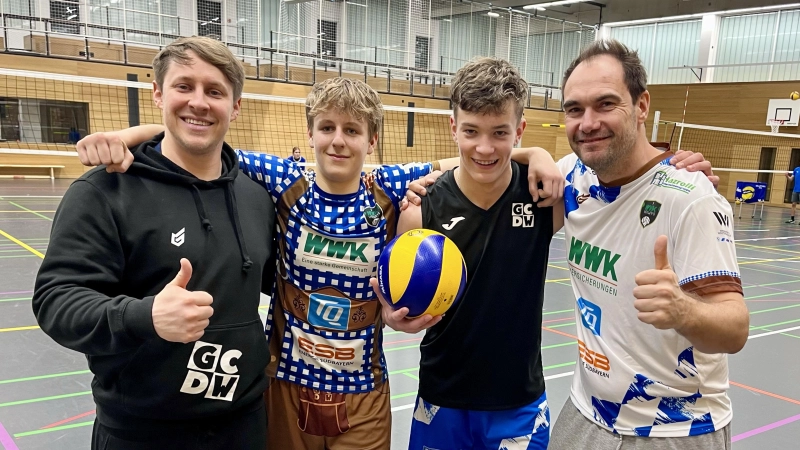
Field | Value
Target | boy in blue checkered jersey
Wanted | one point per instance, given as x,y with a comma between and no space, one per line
330,386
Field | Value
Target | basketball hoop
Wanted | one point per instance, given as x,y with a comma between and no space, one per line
776,125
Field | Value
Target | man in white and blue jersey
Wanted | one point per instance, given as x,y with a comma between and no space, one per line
653,265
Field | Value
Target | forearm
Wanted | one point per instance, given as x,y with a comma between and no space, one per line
91,323
136,135
718,327
531,155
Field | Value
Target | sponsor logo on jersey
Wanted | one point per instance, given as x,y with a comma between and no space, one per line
593,258
649,212
178,238
594,362
583,197
591,315
212,372
661,179
453,222
329,354
522,215
352,256
724,239
373,215
722,219
327,311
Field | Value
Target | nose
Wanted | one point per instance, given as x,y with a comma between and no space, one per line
484,146
589,121
338,138
198,100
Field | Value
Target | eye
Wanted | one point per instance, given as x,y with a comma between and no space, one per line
501,133
469,132
216,93
352,131
182,87
326,128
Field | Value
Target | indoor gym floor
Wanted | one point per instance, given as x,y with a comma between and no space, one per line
45,399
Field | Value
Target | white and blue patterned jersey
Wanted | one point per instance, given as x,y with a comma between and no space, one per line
632,378
324,322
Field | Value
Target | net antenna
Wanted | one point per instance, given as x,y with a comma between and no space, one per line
776,124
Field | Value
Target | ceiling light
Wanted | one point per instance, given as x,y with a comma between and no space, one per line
547,4
492,14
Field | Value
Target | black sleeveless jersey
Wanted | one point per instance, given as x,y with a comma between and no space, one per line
485,354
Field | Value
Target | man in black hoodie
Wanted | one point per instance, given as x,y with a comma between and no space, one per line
155,275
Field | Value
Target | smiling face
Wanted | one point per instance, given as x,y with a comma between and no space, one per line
341,144
485,142
602,120
197,104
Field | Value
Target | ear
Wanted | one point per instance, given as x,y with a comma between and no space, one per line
453,126
372,143
158,96
310,138
237,107
643,107
520,129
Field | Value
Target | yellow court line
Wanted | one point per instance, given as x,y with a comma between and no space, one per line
739,244
556,281
31,211
22,244
557,267
769,260
32,327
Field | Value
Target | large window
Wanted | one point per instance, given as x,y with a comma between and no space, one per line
209,19
65,17
45,121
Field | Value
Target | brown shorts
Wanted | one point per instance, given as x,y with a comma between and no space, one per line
302,418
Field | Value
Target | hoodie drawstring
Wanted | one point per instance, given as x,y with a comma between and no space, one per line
201,210
234,214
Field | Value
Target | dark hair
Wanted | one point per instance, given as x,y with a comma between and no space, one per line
634,72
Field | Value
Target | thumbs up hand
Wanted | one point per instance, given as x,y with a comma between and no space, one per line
659,298
180,315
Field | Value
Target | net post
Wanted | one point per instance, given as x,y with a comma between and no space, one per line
680,137
654,134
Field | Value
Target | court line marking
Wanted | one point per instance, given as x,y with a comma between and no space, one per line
48,430
43,377
5,439
770,394
770,333
44,399
22,244
68,419
30,211
32,327
765,428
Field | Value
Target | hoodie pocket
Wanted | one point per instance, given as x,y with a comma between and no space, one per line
218,374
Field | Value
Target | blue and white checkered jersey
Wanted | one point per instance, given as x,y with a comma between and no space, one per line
632,378
324,324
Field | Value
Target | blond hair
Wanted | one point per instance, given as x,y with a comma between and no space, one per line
345,95
209,50
485,85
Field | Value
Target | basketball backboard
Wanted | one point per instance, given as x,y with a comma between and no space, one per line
784,109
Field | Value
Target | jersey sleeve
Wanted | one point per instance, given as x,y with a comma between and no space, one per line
395,179
270,171
703,251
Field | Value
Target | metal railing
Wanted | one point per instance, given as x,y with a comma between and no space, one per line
271,63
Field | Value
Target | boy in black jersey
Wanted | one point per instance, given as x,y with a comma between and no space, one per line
493,333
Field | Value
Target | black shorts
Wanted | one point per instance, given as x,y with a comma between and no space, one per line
242,432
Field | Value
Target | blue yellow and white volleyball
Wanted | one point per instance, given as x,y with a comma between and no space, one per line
422,270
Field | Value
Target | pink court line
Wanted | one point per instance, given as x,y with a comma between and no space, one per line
765,428
16,292
6,440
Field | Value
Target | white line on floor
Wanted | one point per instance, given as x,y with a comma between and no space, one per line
755,336
768,239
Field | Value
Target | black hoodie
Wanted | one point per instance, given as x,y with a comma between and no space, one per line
116,241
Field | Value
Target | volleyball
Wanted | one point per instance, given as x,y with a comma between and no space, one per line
422,270
794,95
